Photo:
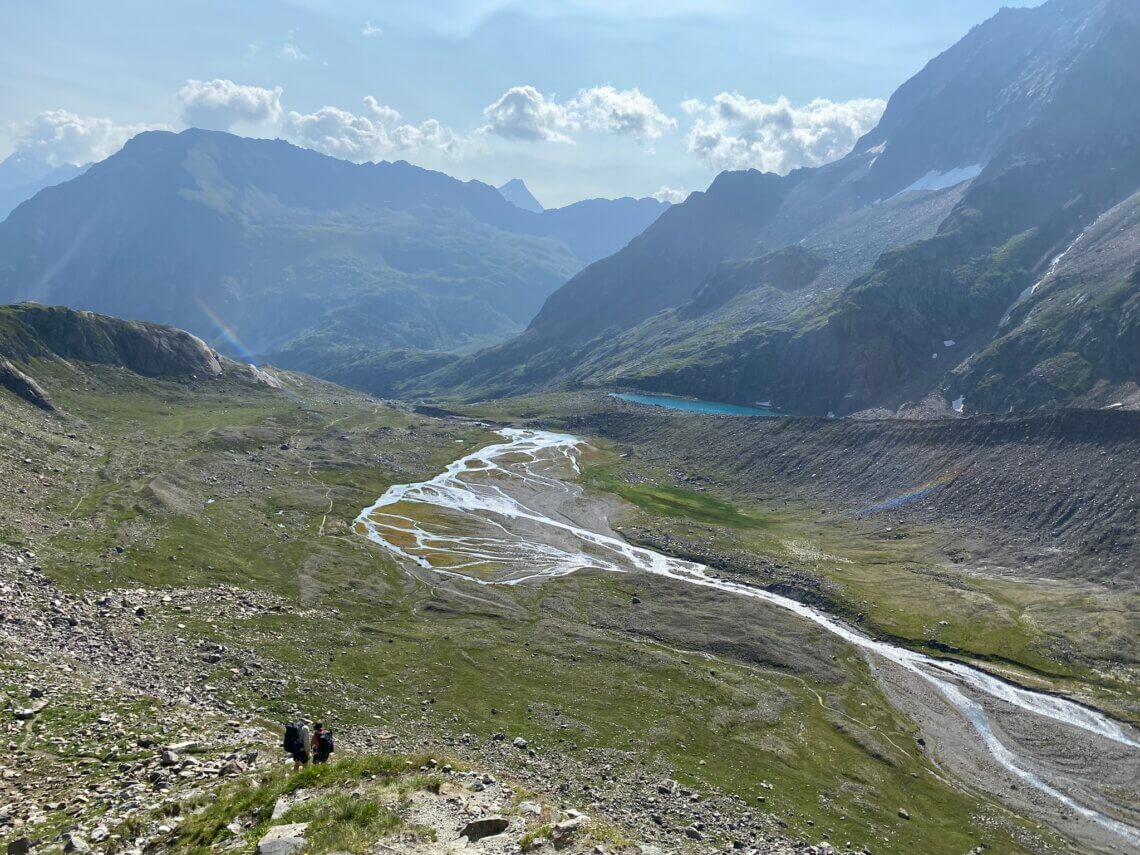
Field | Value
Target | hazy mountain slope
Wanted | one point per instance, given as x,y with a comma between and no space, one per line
1021,134
518,194
596,228
22,176
302,257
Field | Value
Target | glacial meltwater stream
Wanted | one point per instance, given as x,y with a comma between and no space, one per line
502,515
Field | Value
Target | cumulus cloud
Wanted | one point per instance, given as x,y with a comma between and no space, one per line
524,113
671,195
220,104
621,111
734,132
375,134
370,29
59,136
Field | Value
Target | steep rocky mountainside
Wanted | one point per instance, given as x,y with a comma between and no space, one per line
265,248
1074,335
986,166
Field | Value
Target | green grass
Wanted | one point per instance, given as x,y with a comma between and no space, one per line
338,819
680,503
344,822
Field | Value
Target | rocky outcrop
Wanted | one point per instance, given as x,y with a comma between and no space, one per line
29,331
19,383
283,839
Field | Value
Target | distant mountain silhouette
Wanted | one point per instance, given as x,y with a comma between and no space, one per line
516,192
269,250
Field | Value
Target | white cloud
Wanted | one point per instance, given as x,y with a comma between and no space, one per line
671,194
291,52
734,132
220,104
370,29
374,135
59,136
620,111
524,113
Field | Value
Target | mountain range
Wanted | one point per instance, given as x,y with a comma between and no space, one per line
277,252
977,248
976,251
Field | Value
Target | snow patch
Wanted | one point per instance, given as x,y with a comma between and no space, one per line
949,342
959,403
935,180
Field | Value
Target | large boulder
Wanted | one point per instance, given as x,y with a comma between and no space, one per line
19,383
486,826
284,839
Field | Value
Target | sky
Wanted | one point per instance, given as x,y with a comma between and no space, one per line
579,98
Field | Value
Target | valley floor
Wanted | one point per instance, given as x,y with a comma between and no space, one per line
234,501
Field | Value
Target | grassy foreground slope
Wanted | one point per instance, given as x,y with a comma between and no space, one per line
178,485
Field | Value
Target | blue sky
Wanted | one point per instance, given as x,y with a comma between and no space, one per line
580,97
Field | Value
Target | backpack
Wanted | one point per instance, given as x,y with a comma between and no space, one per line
292,740
325,743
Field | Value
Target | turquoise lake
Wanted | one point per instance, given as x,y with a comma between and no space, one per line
712,408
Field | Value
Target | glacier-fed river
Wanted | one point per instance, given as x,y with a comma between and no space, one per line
510,513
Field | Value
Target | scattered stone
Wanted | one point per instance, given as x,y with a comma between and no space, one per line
25,713
519,742
564,832
903,813
72,842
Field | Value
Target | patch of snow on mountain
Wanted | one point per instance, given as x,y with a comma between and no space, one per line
935,180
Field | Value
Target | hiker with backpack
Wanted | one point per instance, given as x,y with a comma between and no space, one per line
298,742
322,744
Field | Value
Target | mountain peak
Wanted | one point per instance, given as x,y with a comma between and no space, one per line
21,168
518,194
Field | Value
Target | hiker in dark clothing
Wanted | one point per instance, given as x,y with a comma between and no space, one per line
322,744
298,741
